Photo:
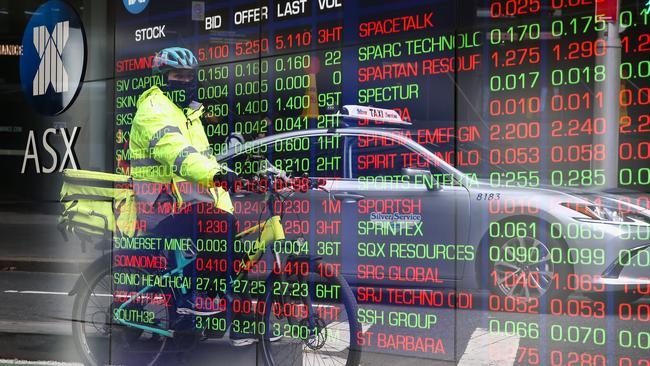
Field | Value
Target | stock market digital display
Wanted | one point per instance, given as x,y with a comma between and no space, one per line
435,174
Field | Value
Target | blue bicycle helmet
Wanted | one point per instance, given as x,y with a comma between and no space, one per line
174,58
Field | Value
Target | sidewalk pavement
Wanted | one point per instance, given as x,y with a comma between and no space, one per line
32,242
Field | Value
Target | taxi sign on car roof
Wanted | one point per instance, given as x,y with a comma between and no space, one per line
387,116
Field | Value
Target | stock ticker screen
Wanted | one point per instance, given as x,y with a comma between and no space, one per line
510,201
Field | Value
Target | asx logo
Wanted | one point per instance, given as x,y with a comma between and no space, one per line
53,62
32,151
51,69
135,6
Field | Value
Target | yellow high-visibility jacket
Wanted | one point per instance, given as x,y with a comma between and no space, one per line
168,146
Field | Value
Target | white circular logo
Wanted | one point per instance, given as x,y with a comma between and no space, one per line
53,62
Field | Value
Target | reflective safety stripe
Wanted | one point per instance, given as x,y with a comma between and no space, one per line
191,192
98,183
161,133
153,162
144,162
182,156
89,197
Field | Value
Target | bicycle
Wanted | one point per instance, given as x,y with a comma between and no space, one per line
139,326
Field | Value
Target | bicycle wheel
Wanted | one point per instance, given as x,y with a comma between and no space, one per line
316,317
100,339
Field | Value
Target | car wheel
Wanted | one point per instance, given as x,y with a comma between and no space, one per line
522,267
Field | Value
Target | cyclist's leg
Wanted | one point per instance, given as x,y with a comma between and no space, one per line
177,228
159,226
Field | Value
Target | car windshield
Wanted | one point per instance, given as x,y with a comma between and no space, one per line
410,151
374,147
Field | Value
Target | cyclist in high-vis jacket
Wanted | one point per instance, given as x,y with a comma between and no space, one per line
175,177
168,144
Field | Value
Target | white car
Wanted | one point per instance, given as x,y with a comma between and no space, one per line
394,215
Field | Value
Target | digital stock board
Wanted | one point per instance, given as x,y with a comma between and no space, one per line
480,167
